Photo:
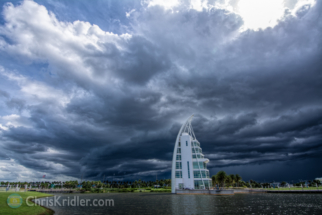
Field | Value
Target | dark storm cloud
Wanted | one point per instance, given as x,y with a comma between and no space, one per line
99,103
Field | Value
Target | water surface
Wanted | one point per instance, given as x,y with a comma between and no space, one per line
166,203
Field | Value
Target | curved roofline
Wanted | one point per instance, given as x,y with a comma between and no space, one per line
173,170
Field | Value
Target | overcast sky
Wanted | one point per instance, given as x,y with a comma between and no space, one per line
98,88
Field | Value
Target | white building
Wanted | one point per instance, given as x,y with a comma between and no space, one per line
189,167
319,179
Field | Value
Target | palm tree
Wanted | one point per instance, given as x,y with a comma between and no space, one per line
233,178
229,180
238,179
214,181
221,177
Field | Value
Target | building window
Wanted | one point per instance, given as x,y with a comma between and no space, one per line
178,150
179,144
196,174
196,184
201,165
180,185
179,157
197,156
204,174
186,143
178,165
199,184
196,150
178,174
188,169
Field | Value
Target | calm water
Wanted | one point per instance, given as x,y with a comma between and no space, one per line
155,203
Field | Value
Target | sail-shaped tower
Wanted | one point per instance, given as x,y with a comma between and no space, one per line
189,166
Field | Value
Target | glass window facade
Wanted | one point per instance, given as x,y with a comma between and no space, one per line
186,143
178,174
199,184
201,165
197,156
205,174
196,150
195,144
179,157
178,165
178,150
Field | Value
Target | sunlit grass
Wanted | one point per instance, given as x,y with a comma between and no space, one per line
292,188
24,208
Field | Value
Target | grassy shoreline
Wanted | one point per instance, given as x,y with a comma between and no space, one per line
281,188
24,208
128,190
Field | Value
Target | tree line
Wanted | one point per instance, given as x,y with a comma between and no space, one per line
221,179
86,184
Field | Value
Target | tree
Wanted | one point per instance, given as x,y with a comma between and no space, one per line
87,185
221,178
317,182
283,184
229,180
214,181
238,179
233,179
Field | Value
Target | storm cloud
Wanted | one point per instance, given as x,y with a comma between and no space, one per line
103,89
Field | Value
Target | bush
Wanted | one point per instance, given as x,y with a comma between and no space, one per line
97,190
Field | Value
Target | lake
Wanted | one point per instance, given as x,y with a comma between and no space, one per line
166,203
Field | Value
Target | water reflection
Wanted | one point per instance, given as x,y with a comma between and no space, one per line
192,204
165,203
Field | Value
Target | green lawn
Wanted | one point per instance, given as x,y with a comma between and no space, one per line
134,190
295,188
24,208
286,188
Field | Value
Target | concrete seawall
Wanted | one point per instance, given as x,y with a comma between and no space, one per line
249,191
205,192
274,191
294,191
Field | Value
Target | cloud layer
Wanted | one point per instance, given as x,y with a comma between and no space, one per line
79,97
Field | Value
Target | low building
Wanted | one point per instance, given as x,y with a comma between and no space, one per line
319,179
275,184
